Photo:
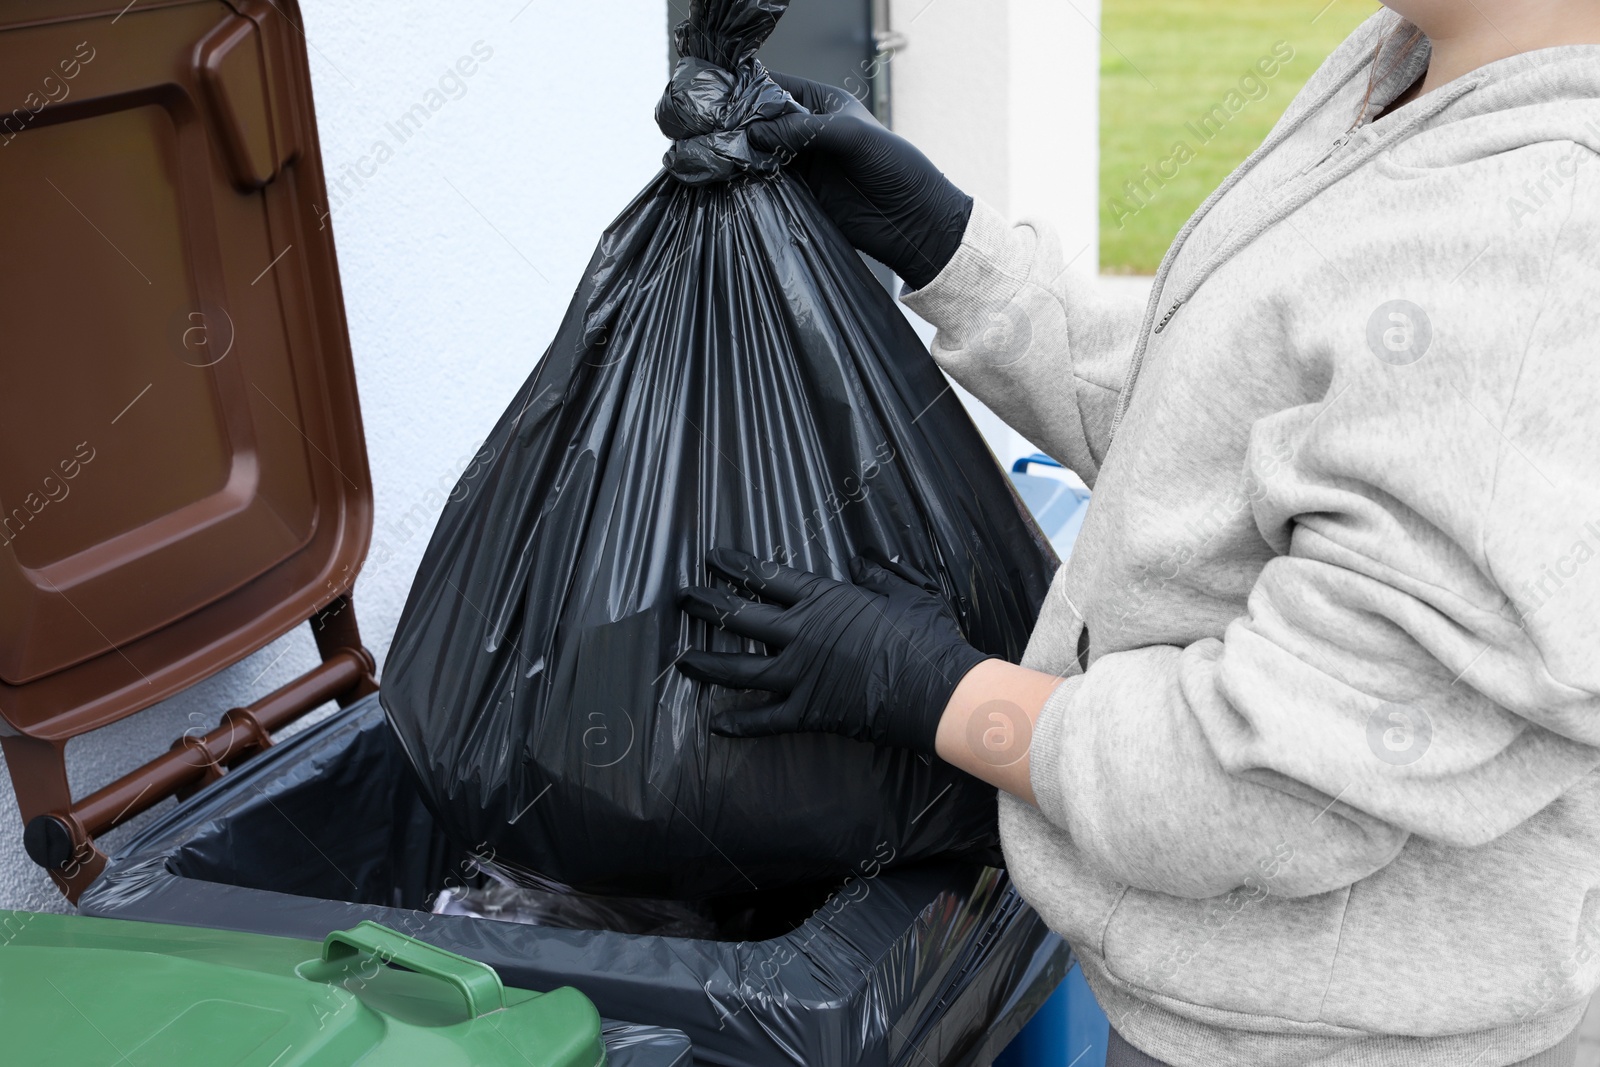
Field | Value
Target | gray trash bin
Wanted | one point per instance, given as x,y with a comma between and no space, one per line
936,964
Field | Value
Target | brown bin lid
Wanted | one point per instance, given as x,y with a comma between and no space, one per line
183,476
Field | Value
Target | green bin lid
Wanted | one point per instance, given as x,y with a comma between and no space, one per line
84,991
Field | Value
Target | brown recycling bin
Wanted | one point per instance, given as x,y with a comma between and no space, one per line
182,471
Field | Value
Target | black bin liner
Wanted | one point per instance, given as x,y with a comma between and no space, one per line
728,373
935,964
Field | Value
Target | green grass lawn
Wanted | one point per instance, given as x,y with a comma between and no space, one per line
1167,64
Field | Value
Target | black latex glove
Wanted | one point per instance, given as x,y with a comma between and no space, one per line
888,198
875,661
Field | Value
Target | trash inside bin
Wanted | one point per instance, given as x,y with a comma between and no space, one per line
632,1045
938,963
79,990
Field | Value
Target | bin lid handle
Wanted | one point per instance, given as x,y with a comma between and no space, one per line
478,982
1023,462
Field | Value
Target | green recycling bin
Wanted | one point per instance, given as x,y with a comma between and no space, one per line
76,990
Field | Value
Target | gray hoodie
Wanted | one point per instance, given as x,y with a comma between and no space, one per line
1326,792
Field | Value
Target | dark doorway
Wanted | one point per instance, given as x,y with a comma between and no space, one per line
825,40
831,41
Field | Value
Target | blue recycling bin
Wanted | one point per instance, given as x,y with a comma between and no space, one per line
1070,1030
1057,506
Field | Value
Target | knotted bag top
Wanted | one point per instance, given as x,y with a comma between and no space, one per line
718,89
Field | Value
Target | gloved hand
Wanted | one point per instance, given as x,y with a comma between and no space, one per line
875,661
888,198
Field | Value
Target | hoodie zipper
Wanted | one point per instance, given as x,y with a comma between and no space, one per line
1282,211
1171,311
1277,137
1343,140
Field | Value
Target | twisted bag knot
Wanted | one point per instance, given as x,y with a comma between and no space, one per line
705,111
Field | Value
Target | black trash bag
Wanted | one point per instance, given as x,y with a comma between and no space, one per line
729,373
507,895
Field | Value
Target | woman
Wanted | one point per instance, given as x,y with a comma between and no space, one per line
1301,756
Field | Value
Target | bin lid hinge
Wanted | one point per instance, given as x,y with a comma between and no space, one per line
59,831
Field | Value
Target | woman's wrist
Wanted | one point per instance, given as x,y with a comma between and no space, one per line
987,726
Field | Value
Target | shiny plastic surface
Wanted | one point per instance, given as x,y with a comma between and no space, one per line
936,965
77,990
182,471
718,88
548,904
729,373
629,1045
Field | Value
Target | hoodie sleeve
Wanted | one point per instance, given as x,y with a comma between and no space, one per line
1037,342
1418,658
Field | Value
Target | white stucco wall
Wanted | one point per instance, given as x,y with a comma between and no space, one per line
1004,95
458,255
